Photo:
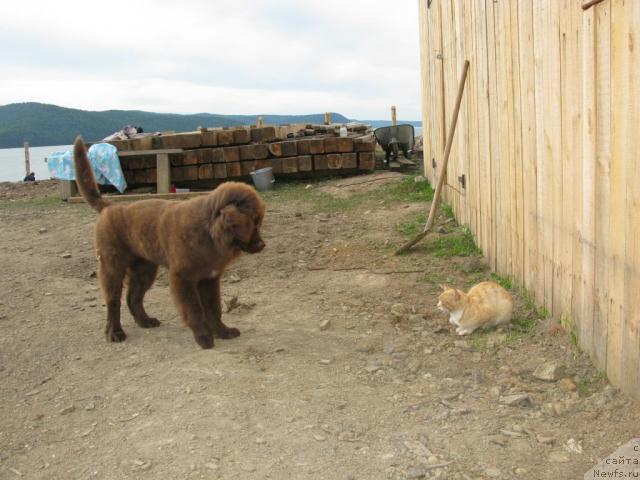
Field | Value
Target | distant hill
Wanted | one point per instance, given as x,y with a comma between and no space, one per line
42,125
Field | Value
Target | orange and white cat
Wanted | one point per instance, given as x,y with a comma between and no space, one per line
486,304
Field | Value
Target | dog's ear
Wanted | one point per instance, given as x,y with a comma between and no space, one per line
229,216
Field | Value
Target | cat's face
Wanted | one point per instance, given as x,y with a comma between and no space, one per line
449,300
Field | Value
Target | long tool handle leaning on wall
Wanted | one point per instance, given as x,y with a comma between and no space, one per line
443,171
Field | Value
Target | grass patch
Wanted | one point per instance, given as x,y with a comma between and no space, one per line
504,282
35,203
447,210
411,228
406,190
457,245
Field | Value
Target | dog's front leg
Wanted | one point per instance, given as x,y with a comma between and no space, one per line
187,298
209,289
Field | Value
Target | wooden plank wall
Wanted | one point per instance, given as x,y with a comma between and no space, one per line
547,140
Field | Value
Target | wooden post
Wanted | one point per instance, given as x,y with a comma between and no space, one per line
327,118
259,122
393,116
27,162
443,172
163,167
68,189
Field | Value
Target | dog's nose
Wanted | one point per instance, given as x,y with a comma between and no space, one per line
258,246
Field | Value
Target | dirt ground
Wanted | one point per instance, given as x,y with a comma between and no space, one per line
344,369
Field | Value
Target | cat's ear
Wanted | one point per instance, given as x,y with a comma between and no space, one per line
458,294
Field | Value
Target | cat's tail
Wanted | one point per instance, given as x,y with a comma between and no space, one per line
85,179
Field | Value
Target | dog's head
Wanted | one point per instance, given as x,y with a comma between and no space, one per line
238,214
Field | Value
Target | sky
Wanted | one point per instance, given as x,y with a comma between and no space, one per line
356,57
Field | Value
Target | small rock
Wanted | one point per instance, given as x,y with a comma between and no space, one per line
419,179
319,438
67,410
521,471
325,361
461,344
325,324
545,440
549,372
573,446
418,448
517,400
416,472
365,345
399,310
559,457
233,278
441,230
372,368
414,365
428,351
260,441
567,385
211,466
66,255
496,339
43,230
492,473
473,264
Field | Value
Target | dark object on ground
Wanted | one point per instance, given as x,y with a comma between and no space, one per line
195,239
30,178
394,139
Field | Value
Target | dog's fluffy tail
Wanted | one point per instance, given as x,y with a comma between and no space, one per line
85,179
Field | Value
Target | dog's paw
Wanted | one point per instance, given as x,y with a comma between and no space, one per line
148,322
228,332
116,335
205,340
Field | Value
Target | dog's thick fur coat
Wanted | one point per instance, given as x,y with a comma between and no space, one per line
195,239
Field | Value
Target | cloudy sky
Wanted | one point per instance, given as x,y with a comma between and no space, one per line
356,57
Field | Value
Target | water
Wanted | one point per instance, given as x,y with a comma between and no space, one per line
12,162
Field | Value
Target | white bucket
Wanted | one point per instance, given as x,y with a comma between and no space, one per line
263,178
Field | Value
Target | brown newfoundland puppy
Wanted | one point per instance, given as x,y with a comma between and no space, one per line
195,239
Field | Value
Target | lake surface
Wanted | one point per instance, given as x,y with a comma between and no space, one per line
12,162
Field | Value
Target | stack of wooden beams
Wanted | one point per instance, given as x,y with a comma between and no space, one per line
233,153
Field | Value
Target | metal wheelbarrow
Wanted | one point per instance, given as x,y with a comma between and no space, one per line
396,139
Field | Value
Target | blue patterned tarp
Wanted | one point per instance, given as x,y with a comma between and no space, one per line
104,162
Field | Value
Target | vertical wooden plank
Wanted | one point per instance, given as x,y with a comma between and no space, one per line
463,120
576,81
563,285
425,83
472,202
542,190
517,189
631,339
163,168
553,135
494,135
462,158
602,192
484,128
437,64
448,64
529,147
500,140
586,332
620,139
